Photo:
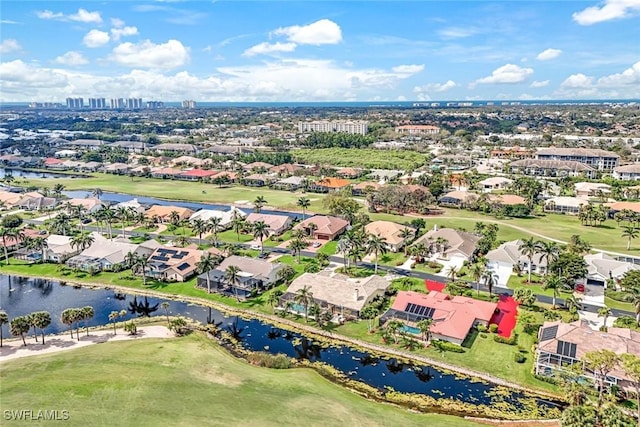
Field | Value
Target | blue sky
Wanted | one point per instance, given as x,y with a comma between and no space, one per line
320,51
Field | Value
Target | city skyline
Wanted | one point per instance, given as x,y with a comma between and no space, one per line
266,51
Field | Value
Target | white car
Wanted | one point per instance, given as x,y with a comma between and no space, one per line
255,247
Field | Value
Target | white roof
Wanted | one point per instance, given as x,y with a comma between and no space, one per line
226,217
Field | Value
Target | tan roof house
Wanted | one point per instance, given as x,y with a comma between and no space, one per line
390,231
163,213
324,227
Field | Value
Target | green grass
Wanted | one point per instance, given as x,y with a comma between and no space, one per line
231,236
185,382
536,285
282,238
619,305
361,157
329,248
392,258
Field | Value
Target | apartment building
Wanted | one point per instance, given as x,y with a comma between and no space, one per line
598,159
360,127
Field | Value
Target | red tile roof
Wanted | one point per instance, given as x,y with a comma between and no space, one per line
200,173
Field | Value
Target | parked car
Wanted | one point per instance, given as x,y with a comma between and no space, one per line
316,244
263,255
580,288
256,247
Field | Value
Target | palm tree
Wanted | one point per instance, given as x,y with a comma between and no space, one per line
425,328
97,193
304,203
19,326
81,241
140,262
630,233
553,282
260,231
304,296
200,226
4,319
406,234
604,312
369,312
67,317
41,320
9,233
477,271
529,248
377,245
573,303
113,316
78,211
549,252
205,265
490,279
232,275
174,218
296,245
238,224
258,203
61,224
635,300
274,299
124,214
86,313
394,326
58,189
8,179
107,215
452,272
214,225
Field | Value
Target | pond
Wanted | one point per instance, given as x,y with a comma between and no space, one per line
20,296
121,197
19,173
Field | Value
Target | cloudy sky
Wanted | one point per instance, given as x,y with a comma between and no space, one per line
320,51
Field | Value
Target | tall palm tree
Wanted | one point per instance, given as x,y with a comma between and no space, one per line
108,216
555,283
139,264
214,226
124,214
549,252
452,272
200,226
58,189
232,275
377,245
274,299
205,265
406,234
97,193
604,312
238,224
42,319
8,179
9,233
4,319
630,233
258,203
477,270
529,248
490,280
424,326
304,296
87,314
296,245
78,211
19,326
67,317
260,231
81,241
304,203
61,224
113,316
174,218
165,307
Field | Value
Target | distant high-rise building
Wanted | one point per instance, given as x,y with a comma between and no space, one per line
97,103
75,103
188,104
154,105
133,103
117,103
356,127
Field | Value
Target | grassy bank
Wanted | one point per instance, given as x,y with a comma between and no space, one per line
184,382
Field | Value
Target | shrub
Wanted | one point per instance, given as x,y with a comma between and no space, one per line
619,296
267,360
519,357
483,335
481,328
493,328
513,340
626,322
531,328
546,379
447,346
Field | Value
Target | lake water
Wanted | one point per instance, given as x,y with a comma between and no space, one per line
31,174
120,197
20,296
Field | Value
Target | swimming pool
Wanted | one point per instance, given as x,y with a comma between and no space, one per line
411,329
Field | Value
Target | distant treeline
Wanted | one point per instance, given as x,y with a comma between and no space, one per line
337,139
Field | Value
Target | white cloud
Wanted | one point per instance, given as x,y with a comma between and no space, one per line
458,32
543,83
577,81
117,22
118,32
408,69
18,76
72,59
9,45
548,54
147,54
611,9
266,48
318,33
509,73
8,22
96,38
82,15
630,76
435,87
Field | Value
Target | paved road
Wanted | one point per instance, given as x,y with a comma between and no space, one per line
339,260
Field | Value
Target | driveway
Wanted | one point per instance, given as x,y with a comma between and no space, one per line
593,295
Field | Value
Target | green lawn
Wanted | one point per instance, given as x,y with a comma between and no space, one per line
278,239
536,285
186,382
619,305
231,236
393,259
329,248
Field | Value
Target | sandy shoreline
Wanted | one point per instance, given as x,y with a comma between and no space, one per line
14,348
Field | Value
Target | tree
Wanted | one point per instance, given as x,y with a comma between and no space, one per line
570,266
178,325
81,241
214,226
578,416
296,245
4,319
304,203
10,233
97,193
108,216
604,312
205,265
406,234
19,326
238,225
113,317
304,296
38,243
377,245
67,317
165,307
274,299
418,224
61,224
477,270
555,283
286,274
174,218
490,279
138,263
86,313
601,362
529,248
452,272
549,252
577,245
260,231
259,203
394,326
8,179
424,326
631,366
31,318
58,189
42,319
232,275
369,313
524,296
630,233
200,227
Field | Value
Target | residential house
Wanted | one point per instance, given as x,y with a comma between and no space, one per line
340,295
59,248
230,176
14,243
226,217
173,264
116,168
257,180
506,200
189,161
627,172
165,173
136,147
391,232
90,204
133,205
286,169
196,174
257,167
563,345
458,199
564,204
514,152
324,227
277,224
291,183
175,148
602,268
108,255
162,214
619,206
327,185
349,173
9,199
255,277
365,187
596,158
34,201
452,317
554,168
448,244
506,258
591,189
418,129
494,183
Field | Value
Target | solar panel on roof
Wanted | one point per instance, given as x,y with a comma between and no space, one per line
549,333
419,310
183,266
